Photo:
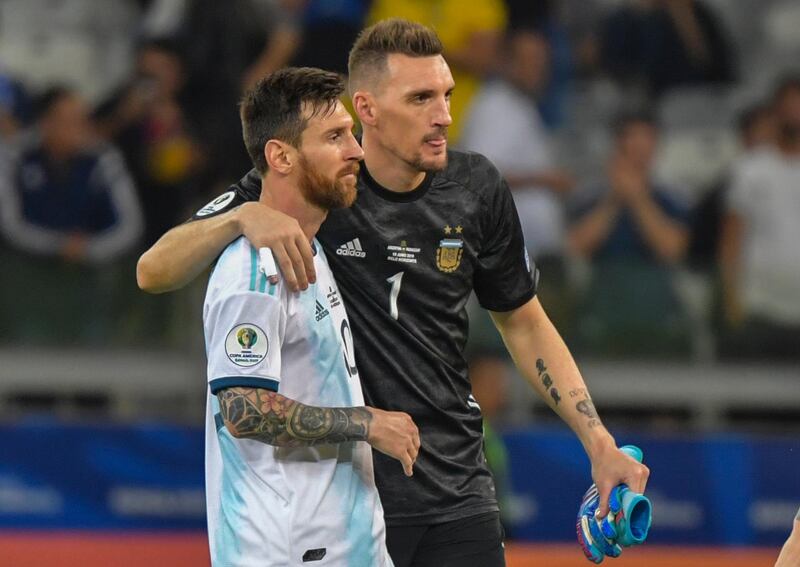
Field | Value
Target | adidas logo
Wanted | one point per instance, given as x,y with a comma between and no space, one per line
352,248
321,312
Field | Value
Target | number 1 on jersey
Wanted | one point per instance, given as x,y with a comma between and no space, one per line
396,280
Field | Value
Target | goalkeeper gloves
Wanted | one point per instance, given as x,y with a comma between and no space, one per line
627,523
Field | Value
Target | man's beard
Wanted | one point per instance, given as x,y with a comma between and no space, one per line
430,165
325,192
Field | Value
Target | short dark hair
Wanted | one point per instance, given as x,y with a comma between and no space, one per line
374,45
628,118
273,109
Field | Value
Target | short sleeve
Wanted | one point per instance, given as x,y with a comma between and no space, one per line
244,333
505,278
248,188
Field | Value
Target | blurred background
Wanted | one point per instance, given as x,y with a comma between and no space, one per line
653,150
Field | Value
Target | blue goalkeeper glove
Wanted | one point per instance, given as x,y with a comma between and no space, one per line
627,523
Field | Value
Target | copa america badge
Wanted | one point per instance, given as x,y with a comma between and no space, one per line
246,345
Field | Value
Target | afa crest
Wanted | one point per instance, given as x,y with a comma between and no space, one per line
448,255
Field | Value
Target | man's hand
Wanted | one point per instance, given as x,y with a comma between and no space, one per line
611,467
628,184
393,433
265,227
627,524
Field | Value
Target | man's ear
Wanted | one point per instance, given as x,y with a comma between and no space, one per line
364,105
280,156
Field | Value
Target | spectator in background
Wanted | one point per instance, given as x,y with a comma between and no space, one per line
759,254
68,206
661,44
84,44
503,124
471,34
633,232
14,107
328,32
229,46
148,123
756,128
547,18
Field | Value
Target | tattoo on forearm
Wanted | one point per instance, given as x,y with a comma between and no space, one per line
255,413
586,407
547,381
578,392
329,425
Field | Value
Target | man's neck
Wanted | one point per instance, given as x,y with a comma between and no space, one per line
279,195
387,169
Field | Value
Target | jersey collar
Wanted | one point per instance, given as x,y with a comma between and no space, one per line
395,196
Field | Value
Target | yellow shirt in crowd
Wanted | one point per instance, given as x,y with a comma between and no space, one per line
455,21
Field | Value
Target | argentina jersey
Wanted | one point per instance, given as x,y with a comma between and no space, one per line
280,506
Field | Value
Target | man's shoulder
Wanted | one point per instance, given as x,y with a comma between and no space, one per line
236,269
471,170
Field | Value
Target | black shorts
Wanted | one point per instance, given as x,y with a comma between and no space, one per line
476,541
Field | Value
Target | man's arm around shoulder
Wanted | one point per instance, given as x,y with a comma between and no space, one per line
186,250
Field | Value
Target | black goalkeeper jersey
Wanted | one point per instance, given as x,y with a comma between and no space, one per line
406,264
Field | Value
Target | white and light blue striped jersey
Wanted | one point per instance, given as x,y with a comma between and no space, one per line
274,506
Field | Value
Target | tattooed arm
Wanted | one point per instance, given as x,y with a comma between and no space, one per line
544,360
542,357
269,417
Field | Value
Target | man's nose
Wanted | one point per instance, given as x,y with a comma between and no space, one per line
441,116
354,151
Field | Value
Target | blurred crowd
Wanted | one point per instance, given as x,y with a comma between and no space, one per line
652,147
